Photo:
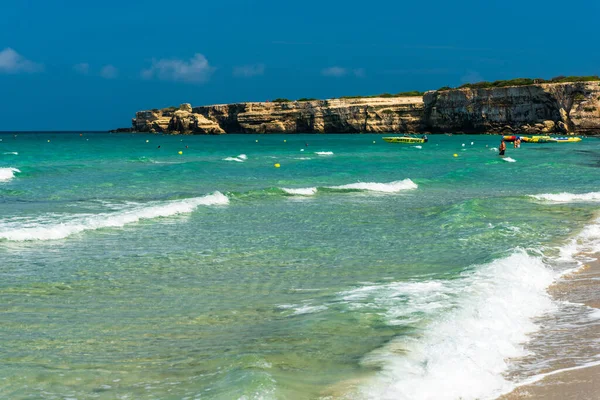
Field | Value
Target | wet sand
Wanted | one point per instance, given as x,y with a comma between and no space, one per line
576,383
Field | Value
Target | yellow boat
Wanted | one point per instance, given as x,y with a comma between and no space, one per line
404,139
543,139
571,139
537,139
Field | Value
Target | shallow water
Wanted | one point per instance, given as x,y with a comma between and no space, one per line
355,270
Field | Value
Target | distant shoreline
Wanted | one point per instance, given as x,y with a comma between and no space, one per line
571,108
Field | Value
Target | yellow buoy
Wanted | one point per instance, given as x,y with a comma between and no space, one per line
180,152
455,155
284,141
277,165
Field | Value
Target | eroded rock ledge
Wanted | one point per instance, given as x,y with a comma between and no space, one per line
567,108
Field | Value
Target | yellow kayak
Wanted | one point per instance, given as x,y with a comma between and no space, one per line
404,139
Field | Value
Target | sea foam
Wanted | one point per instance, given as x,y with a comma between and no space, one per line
324,153
567,197
55,226
240,158
587,241
478,322
301,191
509,159
391,187
6,174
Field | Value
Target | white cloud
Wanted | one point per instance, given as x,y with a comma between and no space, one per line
247,71
197,70
82,68
109,72
336,72
12,62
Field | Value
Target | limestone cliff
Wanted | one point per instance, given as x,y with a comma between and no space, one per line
543,108
397,114
533,109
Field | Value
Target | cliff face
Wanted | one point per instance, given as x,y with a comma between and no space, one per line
398,114
544,108
533,109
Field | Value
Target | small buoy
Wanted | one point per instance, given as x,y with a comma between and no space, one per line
472,143
277,165
463,145
147,141
455,155
48,140
180,152
301,149
373,142
284,141
256,140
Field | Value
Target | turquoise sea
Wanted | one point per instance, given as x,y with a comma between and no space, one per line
358,269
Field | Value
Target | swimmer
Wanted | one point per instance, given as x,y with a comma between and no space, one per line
502,147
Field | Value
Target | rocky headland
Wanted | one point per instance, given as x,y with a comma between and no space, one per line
545,108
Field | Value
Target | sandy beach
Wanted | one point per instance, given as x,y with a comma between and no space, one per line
570,383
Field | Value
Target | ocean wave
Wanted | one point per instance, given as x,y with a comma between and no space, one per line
391,187
324,153
54,226
567,197
509,159
584,245
14,153
301,191
478,322
240,158
6,174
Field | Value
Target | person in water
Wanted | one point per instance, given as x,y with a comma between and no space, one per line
425,138
502,147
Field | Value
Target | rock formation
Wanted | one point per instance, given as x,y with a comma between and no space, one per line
171,120
532,109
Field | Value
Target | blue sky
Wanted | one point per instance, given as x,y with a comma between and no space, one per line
79,65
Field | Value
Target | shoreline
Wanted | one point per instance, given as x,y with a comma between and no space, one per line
581,382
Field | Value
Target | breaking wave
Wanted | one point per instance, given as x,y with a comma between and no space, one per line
301,191
6,174
391,187
567,197
478,322
240,158
57,226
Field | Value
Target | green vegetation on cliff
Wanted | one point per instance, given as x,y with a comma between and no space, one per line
526,82
387,95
